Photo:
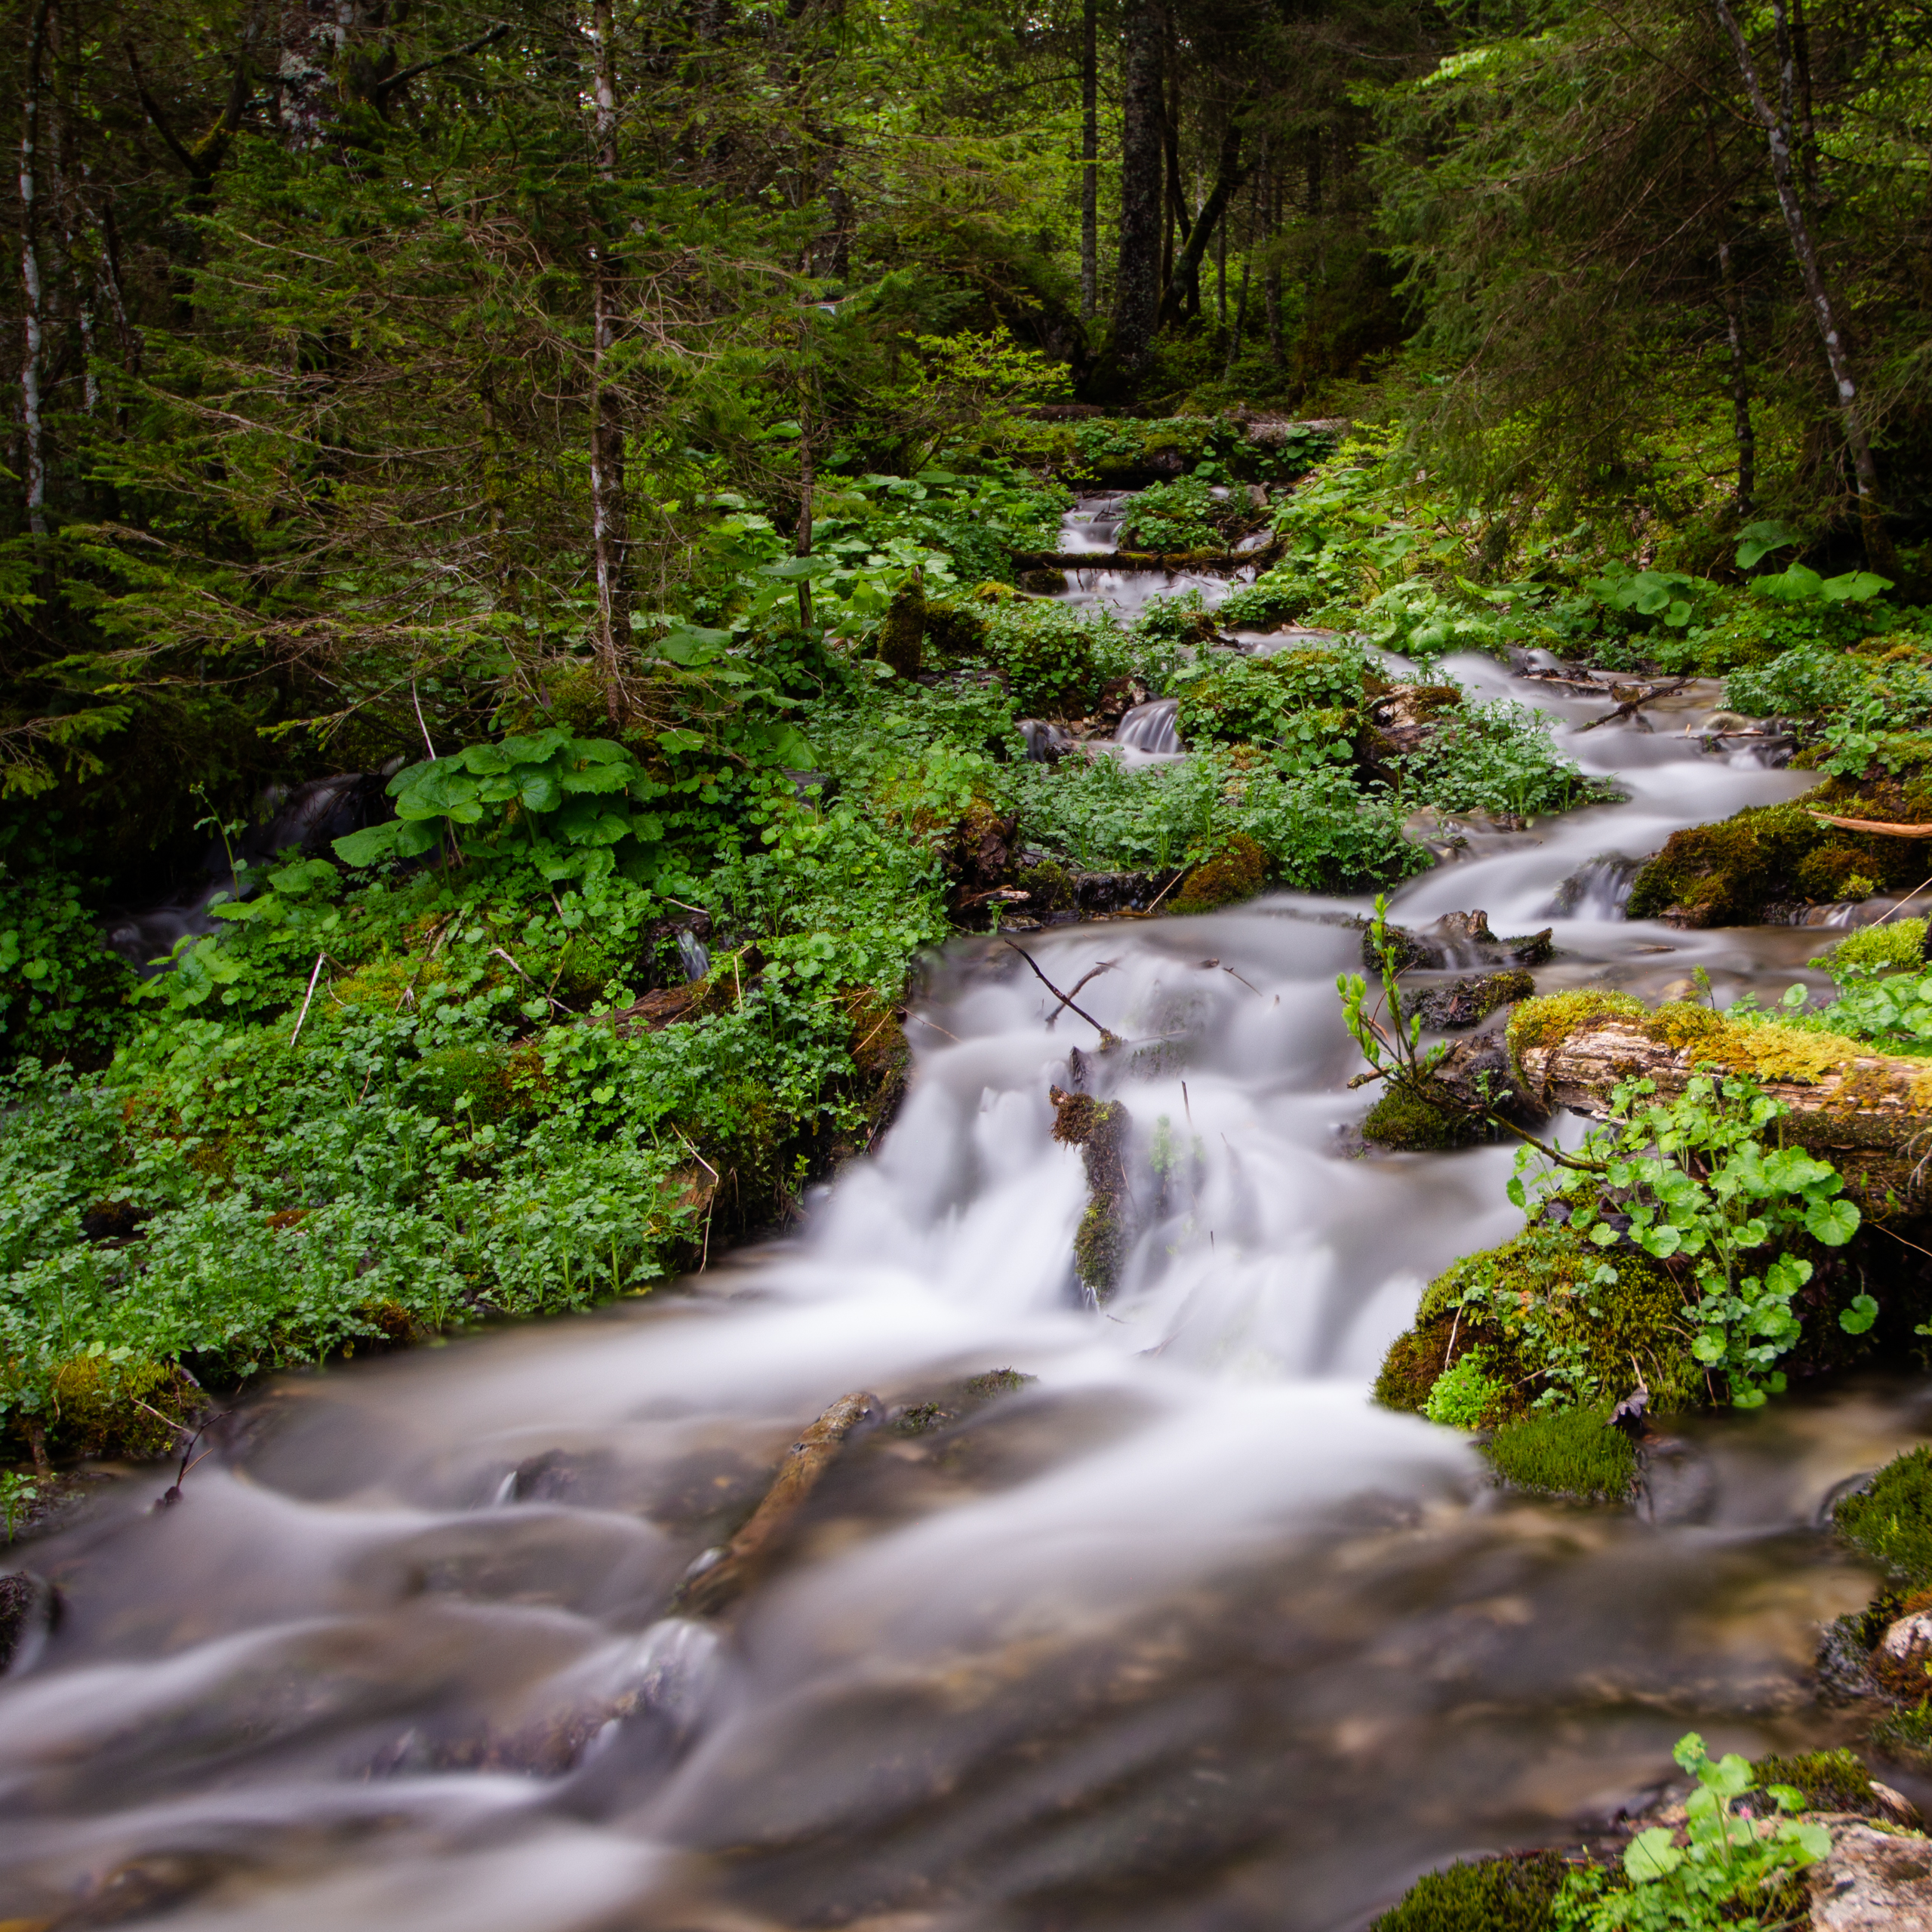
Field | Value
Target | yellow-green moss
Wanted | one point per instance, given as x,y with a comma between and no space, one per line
1408,1122
1537,1301
1565,1452
102,1407
1544,1023
1237,871
1896,945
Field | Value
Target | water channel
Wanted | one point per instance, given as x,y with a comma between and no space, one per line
1184,1634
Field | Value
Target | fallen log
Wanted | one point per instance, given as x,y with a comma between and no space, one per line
1889,827
1146,560
1868,1113
729,1571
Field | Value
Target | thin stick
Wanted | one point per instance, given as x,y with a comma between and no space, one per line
1168,887
1902,903
498,951
418,702
1064,999
307,997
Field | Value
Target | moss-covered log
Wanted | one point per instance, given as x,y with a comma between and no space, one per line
1868,1113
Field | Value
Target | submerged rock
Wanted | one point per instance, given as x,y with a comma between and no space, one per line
1463,1002
1455,939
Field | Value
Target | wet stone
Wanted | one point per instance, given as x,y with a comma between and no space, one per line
1463,1002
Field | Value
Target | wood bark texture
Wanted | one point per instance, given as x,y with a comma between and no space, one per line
1137,276
1874,1107
798,1475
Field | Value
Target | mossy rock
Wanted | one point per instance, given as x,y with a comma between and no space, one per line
1464,1002
1049,885
903,628
1237,871
1895,946
1535,1302
1508,1894
1571,1452
1829,1780
134,1408
1890,1518
1727,874
1044,581
1406,1120
954,629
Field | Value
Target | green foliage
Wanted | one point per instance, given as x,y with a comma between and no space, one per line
1186,515
1808,678
1691,1175
63,996
1670,597
1318,831
1496,757
17,1493
1463,1396
1724,1875
1512,1894
1054,656
1565,1452
1305,703
1890,1518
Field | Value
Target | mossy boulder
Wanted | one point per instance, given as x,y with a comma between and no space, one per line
955,630
1545,1301
1569,1452
904,628
1465,1002
1890,1518
1513,1893
1416,1116
133,1408
1828,1780
1102,1129
1239,871
1728,874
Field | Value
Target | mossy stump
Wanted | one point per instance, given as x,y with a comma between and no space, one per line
904,629
1101,1130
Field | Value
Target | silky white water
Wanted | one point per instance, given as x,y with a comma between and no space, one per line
1185,1633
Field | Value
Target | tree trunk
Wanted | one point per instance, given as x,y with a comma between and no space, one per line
1776,124
1221,270
1187,267
33,314
609,520
1868,1113
1745,436
1090,158
1241,304
1271,286
1137,271
311,41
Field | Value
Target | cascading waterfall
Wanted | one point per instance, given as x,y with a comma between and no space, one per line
1182,1632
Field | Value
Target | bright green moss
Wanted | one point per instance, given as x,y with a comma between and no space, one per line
1830,1780
1237,871
1407,1122
1891,1519
1898,944
1543,1022
1492,1895
1565,1452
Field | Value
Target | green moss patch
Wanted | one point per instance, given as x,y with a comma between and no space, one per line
1237,871
1565,1452
1898,944
1830,1781
1492,1895
1891,1519
1406,1120
1543,1316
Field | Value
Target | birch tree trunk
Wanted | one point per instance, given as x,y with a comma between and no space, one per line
1777,125
33,309
609,520
1090,158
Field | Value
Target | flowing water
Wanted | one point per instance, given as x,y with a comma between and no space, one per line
1184,1633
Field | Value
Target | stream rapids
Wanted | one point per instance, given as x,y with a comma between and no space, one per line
1185,1633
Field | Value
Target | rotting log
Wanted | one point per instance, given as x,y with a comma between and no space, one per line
1262,555
735,1567
1869,1113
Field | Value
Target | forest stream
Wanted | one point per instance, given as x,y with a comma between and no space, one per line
1180,1631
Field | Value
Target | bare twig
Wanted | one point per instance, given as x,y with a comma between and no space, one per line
1107,1037
306,998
